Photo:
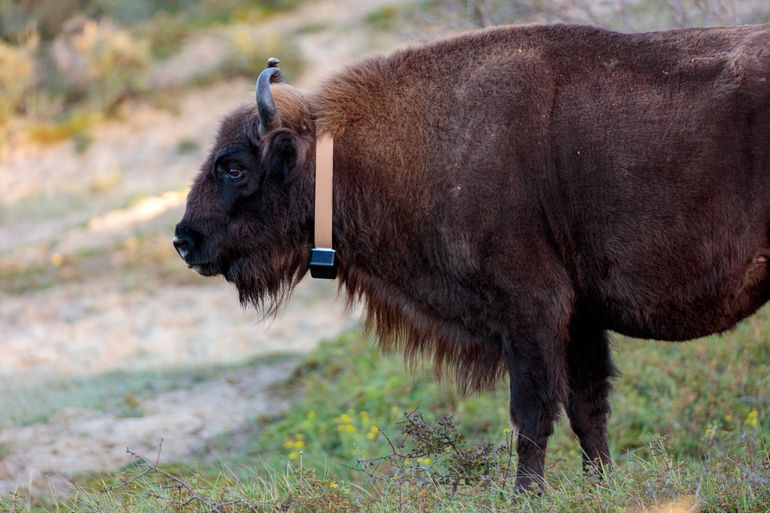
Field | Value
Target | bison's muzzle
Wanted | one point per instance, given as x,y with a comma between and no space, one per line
188,244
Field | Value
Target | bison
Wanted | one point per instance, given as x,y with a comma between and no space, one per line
505,197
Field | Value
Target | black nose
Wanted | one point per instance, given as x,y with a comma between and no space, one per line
182,244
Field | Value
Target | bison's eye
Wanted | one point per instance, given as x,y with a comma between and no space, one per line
234,173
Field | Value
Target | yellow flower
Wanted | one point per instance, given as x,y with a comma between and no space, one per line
57,259
288,444
311,414
752,419
371,436
426,461
506,430
346,428
407,461
375,429
332,484
293,455
728,418
299,444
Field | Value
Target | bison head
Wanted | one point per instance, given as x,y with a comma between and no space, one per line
249,212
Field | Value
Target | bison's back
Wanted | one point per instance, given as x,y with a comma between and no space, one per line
660,146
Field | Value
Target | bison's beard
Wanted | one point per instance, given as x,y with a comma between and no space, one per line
267,284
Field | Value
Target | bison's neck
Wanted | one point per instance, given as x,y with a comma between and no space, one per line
379,168
385,212
403,255
403,165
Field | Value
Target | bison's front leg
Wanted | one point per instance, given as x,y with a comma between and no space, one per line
589,367
535,359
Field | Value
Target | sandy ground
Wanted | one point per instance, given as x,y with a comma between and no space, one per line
130,182
79,440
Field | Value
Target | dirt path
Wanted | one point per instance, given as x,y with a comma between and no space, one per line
59,205
79,440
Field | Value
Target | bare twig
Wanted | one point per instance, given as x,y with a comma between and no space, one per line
177,483
129,481
160,448
392,447
14,502
180,482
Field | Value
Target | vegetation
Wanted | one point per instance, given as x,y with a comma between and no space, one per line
65,64
624,15
691,427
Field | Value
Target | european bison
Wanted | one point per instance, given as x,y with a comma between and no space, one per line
504,197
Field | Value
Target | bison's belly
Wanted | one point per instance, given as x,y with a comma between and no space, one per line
668,307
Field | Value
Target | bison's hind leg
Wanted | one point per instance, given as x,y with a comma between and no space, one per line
589,367
534,354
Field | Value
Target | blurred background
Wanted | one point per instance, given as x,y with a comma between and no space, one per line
107,108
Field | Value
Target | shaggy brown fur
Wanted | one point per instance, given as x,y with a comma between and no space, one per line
505,197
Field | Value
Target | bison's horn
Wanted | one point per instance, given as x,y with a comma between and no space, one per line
268,115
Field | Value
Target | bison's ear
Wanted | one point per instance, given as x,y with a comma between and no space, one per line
281,153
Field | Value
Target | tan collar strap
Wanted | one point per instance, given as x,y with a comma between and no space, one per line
324,173
323,262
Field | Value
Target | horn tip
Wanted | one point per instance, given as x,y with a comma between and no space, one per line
272,62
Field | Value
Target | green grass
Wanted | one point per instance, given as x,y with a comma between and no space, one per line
690,423
686,393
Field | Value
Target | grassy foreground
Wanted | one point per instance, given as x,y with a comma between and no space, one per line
690,431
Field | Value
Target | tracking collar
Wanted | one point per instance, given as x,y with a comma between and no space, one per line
323,259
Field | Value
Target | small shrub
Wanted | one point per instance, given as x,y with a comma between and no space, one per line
186,145
165,34
74,125
383,18
5,450
17,67
100,62
82,141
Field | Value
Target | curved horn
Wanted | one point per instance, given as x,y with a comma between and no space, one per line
268,115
